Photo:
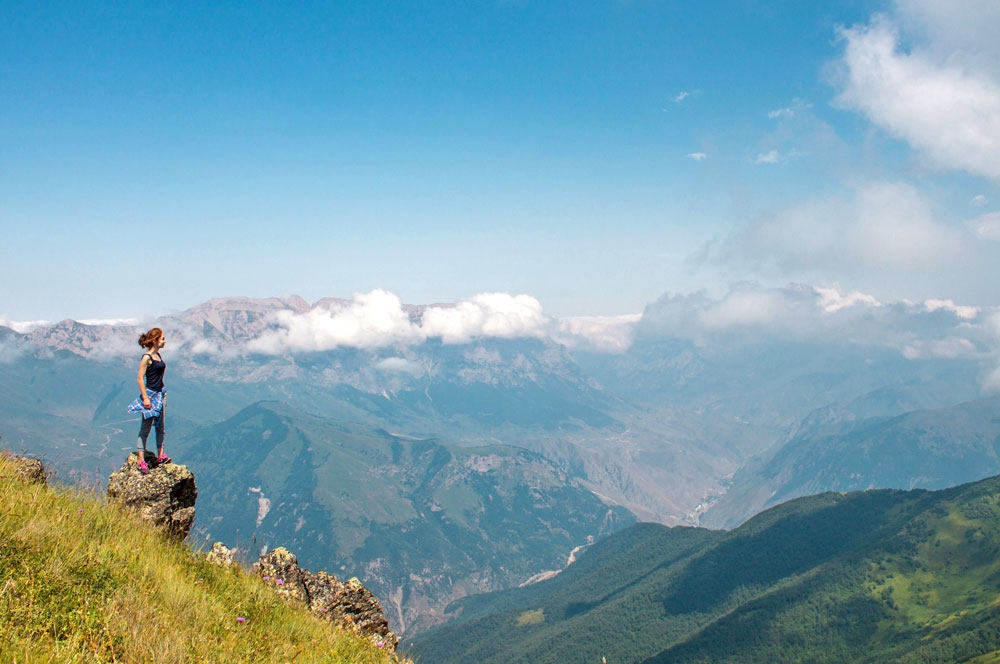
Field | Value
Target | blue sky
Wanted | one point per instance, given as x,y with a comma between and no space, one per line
594,155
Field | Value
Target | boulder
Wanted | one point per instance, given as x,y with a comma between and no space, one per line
222,555
28,470
349,605
165,496
280,569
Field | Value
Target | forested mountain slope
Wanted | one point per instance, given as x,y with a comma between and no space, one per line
875,576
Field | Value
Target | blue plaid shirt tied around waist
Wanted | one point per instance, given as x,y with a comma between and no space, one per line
155,400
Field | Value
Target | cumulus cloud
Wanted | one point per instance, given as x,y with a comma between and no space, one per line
697,156
378,319
885,226
939,98
370,320
486,315
979,200
786,112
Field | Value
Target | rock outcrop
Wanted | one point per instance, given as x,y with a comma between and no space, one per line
165,496
29,470
349,604
222,555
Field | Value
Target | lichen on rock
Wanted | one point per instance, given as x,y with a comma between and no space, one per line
280,569
222,555
164,497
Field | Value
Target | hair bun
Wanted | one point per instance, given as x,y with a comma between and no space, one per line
149,338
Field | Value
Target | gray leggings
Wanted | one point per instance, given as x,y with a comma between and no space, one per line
147,424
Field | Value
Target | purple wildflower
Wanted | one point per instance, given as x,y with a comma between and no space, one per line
281,582
267,578
80,511
241,619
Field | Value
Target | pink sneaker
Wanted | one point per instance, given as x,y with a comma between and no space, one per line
143,468
163,458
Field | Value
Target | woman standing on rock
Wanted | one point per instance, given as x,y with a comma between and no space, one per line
152,396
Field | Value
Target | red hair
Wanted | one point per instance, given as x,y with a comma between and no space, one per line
149,339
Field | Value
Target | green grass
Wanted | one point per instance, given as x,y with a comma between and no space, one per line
83,580
535,617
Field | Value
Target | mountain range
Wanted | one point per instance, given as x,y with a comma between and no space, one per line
419,520
679,426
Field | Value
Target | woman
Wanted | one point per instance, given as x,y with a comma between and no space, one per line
152,396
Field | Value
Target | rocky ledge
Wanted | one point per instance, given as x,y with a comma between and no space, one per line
348,604
164,497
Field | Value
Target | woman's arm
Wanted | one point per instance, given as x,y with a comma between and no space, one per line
142,380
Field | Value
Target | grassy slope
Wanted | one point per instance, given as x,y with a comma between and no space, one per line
82,580
879,576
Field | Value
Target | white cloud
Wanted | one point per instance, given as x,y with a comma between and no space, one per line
886,226
684,94
486,315
399,365
697,156
771,157
987,226
23,326
979,200
749,313
370,320
603,333
781,113
944,104
966,312
832,300
378,319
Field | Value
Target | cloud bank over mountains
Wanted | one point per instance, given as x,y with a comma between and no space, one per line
378,319
394,332
750,314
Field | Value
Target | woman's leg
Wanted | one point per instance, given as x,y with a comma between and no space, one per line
147,424
160,434
160,422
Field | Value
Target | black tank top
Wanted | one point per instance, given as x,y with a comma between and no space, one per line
154,373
